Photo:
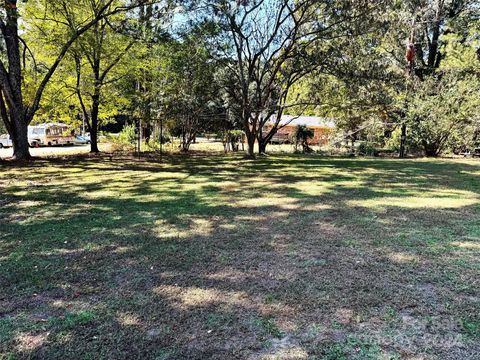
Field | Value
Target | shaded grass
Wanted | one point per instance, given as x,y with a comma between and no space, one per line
218,257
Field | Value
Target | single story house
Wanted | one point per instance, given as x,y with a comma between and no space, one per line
323,128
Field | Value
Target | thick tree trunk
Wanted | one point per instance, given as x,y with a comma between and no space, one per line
94,140
264,141
17,128
95,109
19,135
251,145
12,107
94,123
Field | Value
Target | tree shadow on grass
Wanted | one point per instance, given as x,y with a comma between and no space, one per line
193,266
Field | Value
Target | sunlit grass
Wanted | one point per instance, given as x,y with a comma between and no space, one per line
220,256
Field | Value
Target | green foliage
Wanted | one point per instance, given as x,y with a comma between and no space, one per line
437,101
353,71
126,139
367,149
128,135
443,113
85,84
190,93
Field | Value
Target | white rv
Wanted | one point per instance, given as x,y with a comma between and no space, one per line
50,134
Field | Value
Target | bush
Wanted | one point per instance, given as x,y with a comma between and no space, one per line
367,149
125,140
155,142
127,135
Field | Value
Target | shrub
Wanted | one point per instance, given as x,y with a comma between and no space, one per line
367,149
125,140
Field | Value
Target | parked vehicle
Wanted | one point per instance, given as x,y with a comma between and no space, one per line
49,134
5,141
81,140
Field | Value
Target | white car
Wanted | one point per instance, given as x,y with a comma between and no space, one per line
5,141
81,140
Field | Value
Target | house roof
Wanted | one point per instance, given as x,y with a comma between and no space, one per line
50,124
311,121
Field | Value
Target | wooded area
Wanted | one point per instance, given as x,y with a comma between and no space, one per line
403,74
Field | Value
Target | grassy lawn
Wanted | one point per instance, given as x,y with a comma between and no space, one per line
282,258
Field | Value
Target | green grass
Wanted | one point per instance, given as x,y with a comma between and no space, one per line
218,257
72,320
351,348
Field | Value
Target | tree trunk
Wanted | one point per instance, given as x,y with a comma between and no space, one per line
94,123
262,147
433,60
13,109
184,140
251,145
19,135
403,140
188,137
264,141
94,139
185,143
17,129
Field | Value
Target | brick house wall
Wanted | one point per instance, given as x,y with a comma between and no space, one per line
286,133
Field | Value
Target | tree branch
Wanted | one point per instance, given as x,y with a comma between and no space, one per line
5,84
102,13
4,112
115,61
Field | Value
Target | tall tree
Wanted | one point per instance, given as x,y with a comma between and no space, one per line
272,45
15,110
375,78
97,55
190,91
433,83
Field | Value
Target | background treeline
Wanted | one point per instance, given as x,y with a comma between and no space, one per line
221,67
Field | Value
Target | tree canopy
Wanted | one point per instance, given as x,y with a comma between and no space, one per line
208,65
